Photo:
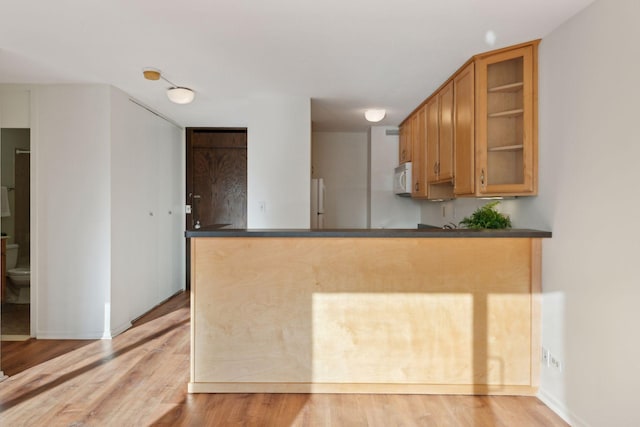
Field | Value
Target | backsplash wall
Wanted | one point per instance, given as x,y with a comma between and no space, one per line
453,211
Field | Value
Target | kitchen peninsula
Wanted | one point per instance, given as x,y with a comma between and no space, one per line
365,311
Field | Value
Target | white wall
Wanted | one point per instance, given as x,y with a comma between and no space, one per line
387,210
588,196
278,162
341,159
15,110
103,165
589,155
72,205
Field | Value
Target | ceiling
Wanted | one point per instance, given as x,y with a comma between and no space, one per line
346,55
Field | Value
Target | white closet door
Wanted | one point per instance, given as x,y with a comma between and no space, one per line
165,236
147,221
147,295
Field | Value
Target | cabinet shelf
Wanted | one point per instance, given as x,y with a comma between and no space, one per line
512,87
506,148
508,113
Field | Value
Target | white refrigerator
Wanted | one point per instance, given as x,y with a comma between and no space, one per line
317,203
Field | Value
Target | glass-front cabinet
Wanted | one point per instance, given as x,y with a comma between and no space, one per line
506,122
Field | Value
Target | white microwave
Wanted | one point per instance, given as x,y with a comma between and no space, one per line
402,180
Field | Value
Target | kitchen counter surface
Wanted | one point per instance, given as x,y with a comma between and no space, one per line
429,232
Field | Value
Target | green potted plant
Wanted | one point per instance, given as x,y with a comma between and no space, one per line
487,217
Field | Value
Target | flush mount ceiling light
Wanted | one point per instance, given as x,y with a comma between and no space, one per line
180,95
176,94
374,115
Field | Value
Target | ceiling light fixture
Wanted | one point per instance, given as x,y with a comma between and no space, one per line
176,94
180,95
374,115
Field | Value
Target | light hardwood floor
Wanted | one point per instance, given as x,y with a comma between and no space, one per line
140,379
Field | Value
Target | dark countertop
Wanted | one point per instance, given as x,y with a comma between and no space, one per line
377,232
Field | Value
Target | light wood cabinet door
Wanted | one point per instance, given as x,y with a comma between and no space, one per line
404,153
506,122
433,135
445,139
463,125
439,133
418,157
402,134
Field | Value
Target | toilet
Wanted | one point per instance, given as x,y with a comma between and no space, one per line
19,283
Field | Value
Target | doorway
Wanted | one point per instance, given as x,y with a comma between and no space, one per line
216,181
16,300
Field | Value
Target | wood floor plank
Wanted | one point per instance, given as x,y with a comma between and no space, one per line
140,379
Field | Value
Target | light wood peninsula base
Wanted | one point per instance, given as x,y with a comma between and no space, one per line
365,315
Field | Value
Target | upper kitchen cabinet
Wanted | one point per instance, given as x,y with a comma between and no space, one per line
433,135
481,128
413,149
405,142
440,136
463,130
506,121
445,134
419,155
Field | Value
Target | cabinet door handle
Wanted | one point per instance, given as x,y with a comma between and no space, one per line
482,177
417,187
435,168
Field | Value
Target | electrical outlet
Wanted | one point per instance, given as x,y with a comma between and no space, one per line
555,363
545,357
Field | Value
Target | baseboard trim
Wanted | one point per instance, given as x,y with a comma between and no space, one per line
118,330
561,410
69,336
176,293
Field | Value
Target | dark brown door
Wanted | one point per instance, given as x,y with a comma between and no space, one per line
216,179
